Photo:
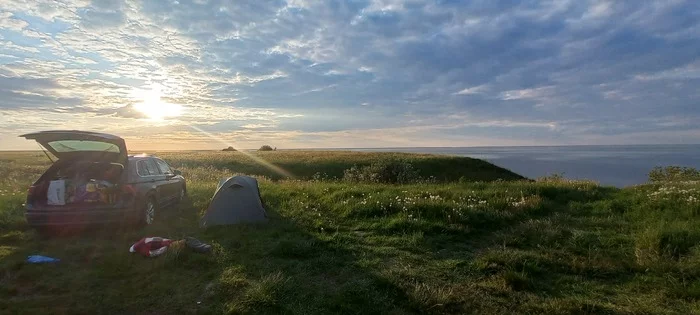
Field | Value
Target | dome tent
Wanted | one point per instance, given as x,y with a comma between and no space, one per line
236,200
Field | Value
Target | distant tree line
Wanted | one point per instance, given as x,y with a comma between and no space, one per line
263,148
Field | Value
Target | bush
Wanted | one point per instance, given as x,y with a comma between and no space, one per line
674,174
553,178
266,148
390,172
229,149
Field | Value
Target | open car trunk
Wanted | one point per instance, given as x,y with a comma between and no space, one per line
88,174
80,185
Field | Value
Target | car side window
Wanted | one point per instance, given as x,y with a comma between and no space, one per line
152,167
142,169
164,168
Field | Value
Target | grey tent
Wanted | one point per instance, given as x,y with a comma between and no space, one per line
236,200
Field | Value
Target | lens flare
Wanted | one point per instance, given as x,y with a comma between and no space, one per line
255,158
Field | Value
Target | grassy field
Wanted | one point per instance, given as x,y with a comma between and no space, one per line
332,164
459,242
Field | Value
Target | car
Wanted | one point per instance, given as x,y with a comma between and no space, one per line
95,181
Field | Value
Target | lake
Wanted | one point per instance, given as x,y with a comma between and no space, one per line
619,166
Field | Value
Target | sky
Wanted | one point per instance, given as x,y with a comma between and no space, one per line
178,74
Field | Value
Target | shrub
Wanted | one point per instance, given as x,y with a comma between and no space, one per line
229,149
674,174
386,171
266,148
553,178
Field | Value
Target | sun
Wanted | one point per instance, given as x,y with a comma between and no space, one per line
153,106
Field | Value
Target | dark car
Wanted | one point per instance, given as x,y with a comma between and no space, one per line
95,181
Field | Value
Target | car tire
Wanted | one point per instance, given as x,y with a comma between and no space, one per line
149,211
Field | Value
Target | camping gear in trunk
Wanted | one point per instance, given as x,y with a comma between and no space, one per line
56,193
236,200
70,183
88,167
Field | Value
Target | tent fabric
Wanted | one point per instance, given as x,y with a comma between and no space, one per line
236,200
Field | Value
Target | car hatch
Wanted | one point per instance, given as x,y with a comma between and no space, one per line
85,145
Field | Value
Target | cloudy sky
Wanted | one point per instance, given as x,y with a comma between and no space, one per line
196,74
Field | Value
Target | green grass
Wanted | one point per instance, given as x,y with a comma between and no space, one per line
548,247
332,164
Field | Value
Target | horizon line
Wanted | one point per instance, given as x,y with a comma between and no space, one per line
419,147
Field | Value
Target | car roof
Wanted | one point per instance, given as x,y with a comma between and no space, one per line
141,157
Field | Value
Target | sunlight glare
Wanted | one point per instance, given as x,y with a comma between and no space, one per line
153,106
254,157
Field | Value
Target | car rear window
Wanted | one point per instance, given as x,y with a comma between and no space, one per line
83,145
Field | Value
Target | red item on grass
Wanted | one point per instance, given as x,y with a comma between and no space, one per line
151,246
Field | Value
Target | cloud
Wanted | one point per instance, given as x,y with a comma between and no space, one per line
527,93
687,72
556,71
472,90
8,45
8,22
128,111
318,89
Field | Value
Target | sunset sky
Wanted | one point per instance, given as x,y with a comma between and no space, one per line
308,74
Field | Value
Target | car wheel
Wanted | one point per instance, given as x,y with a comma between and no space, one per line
149,213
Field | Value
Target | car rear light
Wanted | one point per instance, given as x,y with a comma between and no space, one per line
31,190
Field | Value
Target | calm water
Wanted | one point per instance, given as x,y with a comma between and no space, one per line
609,165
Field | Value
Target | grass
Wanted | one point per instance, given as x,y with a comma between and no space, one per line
331,165
452,247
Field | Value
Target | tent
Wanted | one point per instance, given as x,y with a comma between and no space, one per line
236,200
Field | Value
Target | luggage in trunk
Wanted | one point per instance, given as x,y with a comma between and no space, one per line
79,183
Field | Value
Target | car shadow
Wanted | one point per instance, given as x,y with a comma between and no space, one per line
174,221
